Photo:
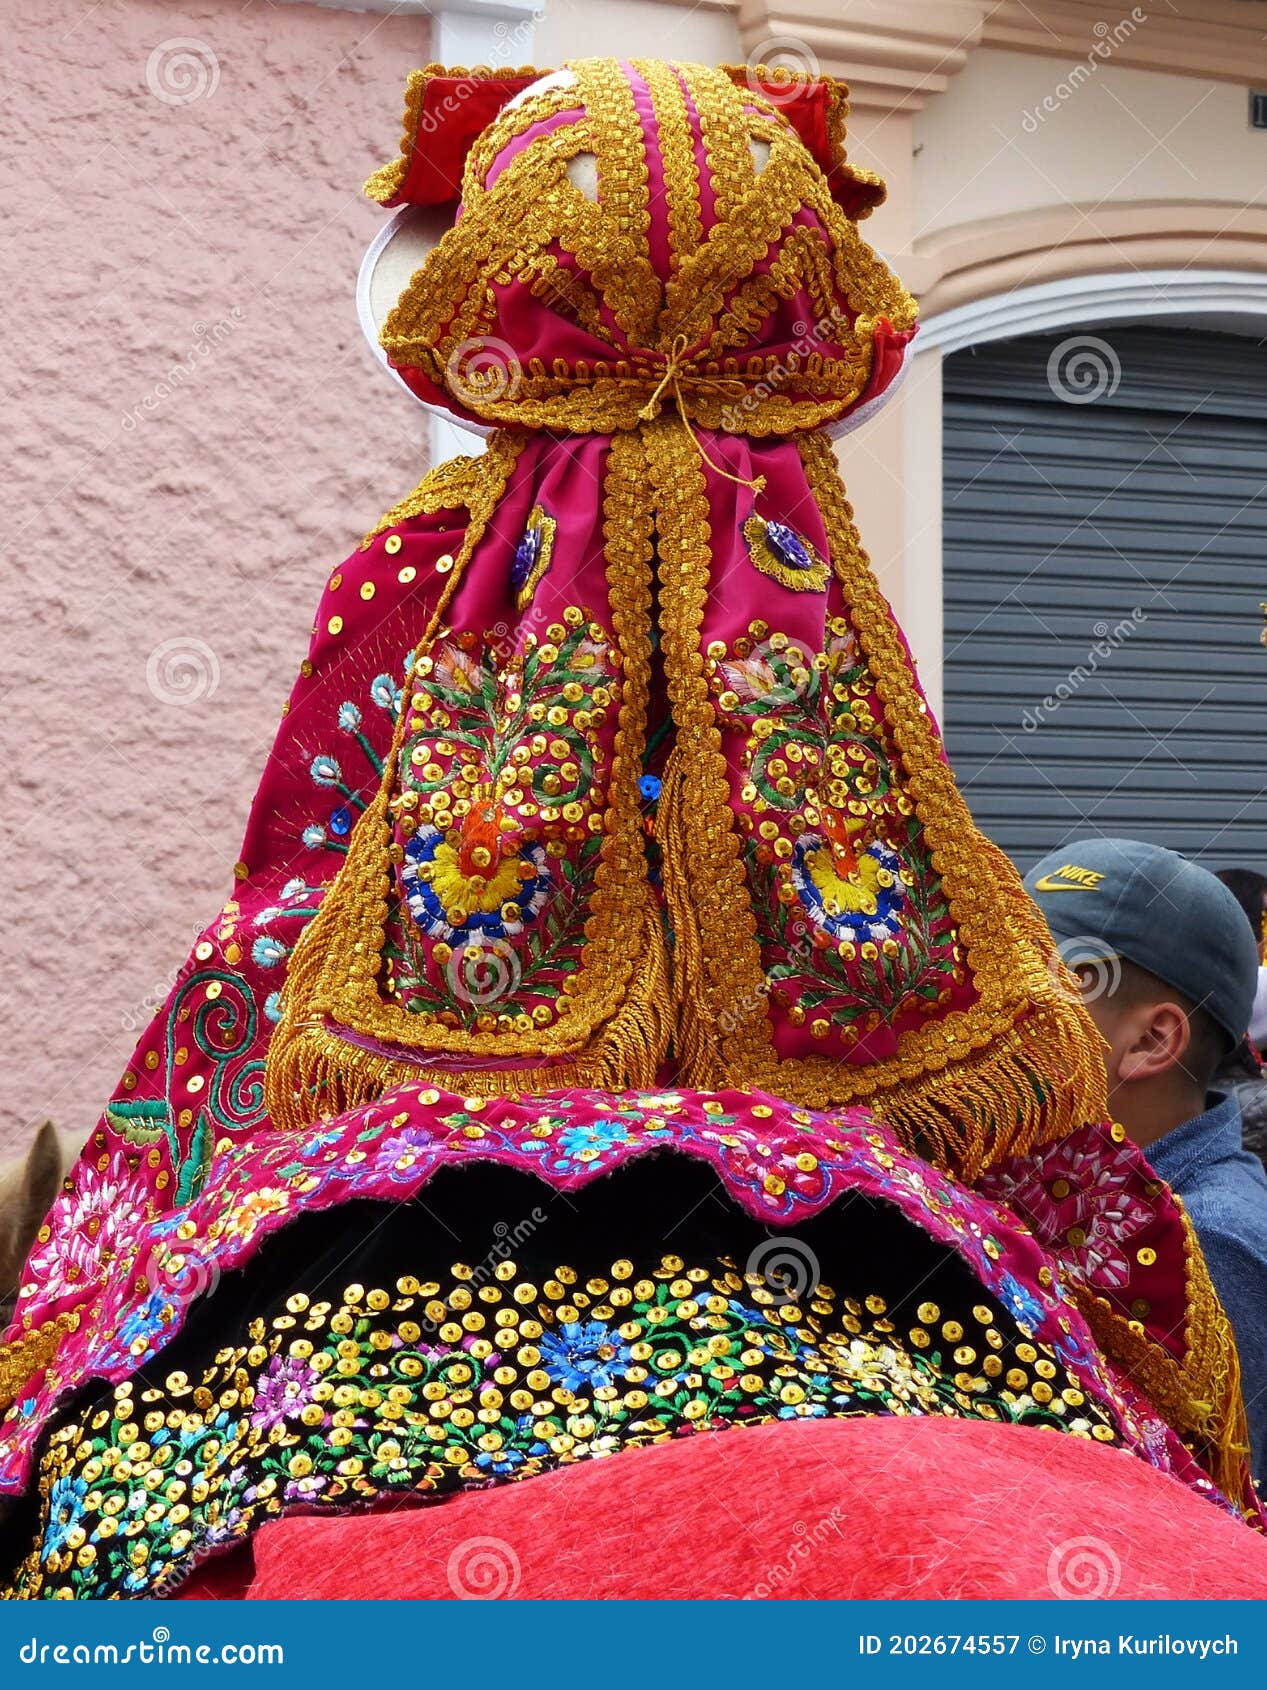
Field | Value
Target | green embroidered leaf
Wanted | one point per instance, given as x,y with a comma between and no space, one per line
140,1121
193,1170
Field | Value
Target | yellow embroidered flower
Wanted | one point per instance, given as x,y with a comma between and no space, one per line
256,1206
854,895
473,892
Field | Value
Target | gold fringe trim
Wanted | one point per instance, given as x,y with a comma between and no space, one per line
31,1351
318,1073
1200,1396
694,1050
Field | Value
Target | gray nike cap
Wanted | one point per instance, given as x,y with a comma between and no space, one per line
1120,897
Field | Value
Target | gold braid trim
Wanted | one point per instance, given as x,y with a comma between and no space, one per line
30,1351
718,979
617,1028
1200,1396
723,129
452,485
512,231
748,78
677,157
1019,1067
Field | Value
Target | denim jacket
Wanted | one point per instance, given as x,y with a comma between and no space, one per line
1224,1190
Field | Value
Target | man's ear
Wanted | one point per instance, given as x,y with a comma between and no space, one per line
1157,1041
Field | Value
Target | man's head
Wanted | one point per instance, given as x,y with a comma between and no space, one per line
1167,964
1249,888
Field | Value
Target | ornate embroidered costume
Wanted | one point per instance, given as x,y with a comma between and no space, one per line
607,853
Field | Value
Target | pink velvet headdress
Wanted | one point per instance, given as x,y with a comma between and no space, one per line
656,294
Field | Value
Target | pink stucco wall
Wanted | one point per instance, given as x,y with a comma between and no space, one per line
196,434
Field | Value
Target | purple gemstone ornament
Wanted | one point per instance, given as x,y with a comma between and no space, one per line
532,556
787,546
785,556
526,553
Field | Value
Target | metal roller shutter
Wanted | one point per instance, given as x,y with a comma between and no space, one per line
1105,563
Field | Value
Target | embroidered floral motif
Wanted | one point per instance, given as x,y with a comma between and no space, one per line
86,1227
423,1387
855,930
498,820
1079,1203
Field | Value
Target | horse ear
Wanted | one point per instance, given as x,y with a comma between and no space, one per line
445,109
816,107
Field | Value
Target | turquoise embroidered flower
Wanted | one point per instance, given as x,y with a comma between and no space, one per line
386,694
588,1141
65,1510
266,952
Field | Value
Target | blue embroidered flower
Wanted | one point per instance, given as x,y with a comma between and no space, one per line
293,888
169,1223
153,1316
65,1510
583,1354
349,717
588,1141
859,906
319,1141
1023,1304
314,836
273,1006
512,1456
325,771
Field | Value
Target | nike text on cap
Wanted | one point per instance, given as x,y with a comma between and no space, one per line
1121,897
